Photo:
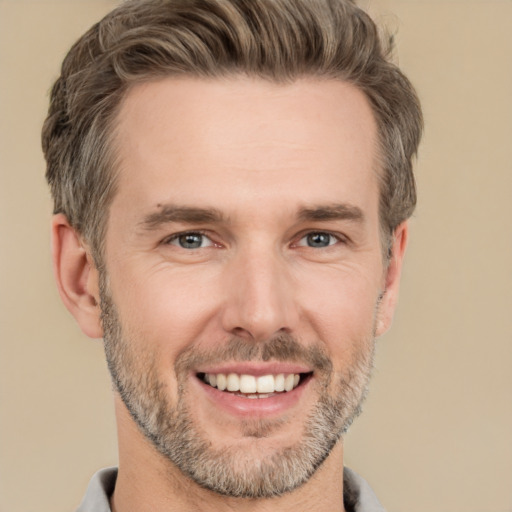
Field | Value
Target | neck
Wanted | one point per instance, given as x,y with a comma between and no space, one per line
147,482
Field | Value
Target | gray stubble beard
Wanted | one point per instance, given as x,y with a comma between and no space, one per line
230,471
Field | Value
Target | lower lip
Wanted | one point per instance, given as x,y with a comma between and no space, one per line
253,407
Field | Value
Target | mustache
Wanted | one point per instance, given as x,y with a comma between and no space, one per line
281,347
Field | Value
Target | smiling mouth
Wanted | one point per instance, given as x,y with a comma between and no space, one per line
250,386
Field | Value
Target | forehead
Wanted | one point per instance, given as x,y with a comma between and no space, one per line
202,141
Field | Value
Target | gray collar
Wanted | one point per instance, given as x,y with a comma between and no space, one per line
357,494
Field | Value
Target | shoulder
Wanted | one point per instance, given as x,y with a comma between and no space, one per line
98,492
358,496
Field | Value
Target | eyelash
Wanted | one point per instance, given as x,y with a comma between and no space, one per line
337,239
177,236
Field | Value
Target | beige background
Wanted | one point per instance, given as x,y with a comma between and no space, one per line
436,433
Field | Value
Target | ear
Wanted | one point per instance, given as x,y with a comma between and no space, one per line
76,276
392,279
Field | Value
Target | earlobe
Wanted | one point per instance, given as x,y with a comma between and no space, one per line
392,276
76,276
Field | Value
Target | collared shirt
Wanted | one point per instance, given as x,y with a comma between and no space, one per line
357,494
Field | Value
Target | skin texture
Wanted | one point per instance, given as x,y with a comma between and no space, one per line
271,164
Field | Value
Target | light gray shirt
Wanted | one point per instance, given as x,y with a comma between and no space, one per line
357,494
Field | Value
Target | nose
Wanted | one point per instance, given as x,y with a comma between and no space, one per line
260,296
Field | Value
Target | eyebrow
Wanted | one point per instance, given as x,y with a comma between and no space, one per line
194,215
170,213
342,211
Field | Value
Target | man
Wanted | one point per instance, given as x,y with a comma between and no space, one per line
232,182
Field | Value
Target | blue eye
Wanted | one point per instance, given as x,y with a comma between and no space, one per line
190,240
318,240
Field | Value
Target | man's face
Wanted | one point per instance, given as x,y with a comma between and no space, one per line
243,250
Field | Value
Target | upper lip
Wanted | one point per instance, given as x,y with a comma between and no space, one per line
256,369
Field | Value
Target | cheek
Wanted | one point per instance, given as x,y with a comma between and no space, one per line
341,305
168,309
165,309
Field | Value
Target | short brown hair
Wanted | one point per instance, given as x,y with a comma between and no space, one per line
278,40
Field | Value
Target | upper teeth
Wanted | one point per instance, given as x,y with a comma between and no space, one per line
251,384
